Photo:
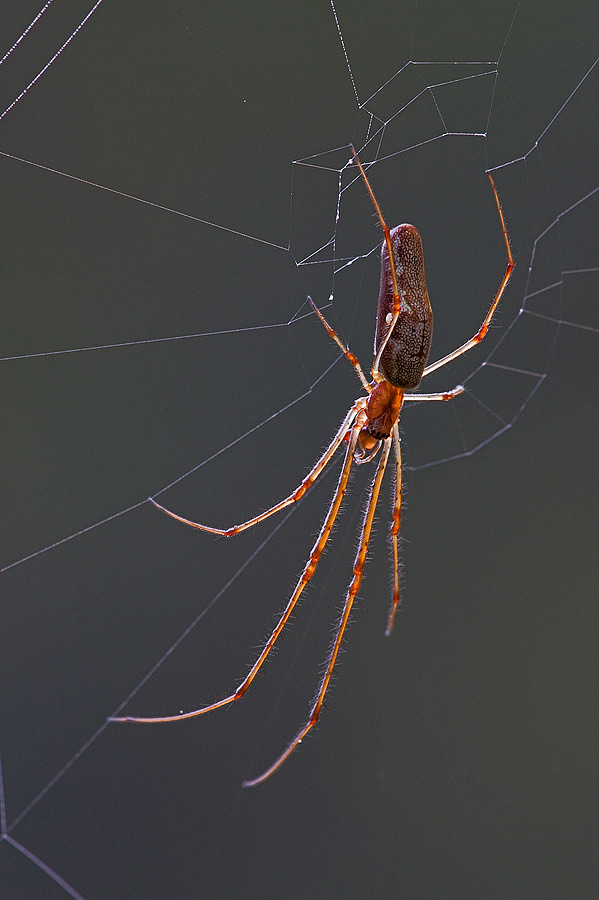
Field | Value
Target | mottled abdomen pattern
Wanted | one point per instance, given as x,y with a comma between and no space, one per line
405,355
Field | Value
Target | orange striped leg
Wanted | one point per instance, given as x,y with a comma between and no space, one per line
487,320
307,574
396,298
345,350
351,595
299,492
395,529
444,395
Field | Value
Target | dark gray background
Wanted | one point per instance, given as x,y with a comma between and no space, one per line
456,759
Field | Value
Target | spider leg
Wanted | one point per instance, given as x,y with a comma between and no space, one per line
395,529
299,492
345,350
444,395
396,298
305,577
487,320
349,600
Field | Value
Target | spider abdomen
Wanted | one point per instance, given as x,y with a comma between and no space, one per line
405,355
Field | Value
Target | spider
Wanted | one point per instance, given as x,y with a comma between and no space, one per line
402,343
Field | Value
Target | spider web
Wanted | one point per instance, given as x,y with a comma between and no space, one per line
172,196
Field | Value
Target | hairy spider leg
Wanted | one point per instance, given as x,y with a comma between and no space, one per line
296,495
353,589
487,320
305,577
395,527
396,296
344,349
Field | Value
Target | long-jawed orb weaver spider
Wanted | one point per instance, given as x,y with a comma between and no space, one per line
403,334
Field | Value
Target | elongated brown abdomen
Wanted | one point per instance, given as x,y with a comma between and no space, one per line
405,355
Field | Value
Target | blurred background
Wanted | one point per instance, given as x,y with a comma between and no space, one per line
457,758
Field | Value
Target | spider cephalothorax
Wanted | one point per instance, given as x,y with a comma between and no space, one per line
383,408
